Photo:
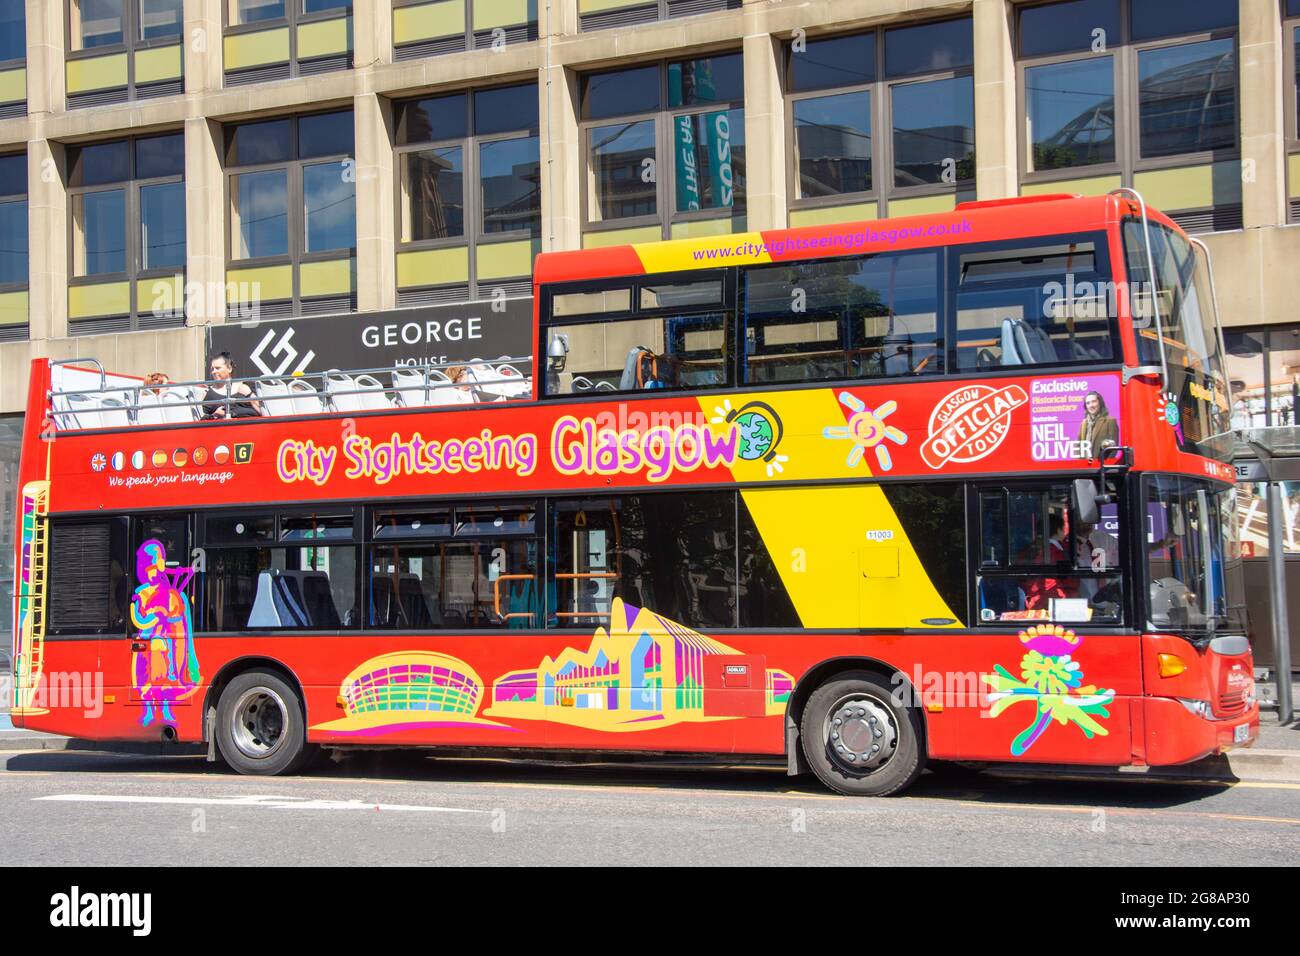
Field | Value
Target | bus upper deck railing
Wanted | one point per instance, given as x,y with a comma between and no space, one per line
115,405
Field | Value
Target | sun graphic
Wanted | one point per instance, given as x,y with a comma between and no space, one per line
866,429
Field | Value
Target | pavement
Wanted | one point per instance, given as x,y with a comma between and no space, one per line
407,807
1275,756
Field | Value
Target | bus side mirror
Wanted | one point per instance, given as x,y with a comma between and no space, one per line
1084,493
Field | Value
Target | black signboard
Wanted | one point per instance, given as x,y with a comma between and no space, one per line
460,332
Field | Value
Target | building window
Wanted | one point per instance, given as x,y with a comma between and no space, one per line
121,50
277,39
665,145
882,116
469,201
610,14
292,193
1170,131
13,247
430,27
13,32
13,60
127,200
1291,49
1264,367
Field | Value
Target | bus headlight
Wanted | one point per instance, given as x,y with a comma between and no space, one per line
1199,708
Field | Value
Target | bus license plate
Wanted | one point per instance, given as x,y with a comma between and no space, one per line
1240,733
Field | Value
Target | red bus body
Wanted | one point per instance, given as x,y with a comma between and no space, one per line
751,681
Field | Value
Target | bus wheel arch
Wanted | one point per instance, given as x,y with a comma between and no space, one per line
875,676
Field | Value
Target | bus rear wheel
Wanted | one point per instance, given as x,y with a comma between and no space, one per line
260,727
858,739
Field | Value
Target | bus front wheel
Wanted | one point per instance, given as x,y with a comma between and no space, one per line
859,739
260,727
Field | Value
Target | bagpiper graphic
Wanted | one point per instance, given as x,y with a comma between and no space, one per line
167,670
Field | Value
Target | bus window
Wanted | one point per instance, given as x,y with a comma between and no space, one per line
1042,305
454,584
273,588
859,317
93,574
674,554
467,566
673,351
266,572
1185,303
1039,562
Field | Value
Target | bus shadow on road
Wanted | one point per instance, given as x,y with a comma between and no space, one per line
945,782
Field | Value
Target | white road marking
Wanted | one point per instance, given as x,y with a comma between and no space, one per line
268,802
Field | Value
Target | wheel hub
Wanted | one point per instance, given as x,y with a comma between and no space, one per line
860,734
258,722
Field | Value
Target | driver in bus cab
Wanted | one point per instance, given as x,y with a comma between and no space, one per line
1039,591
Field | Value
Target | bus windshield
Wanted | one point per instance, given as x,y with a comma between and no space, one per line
1193,556
1199,408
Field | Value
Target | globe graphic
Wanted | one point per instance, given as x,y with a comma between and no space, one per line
755,435
1171,413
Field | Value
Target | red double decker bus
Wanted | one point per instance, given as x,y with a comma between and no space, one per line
953,487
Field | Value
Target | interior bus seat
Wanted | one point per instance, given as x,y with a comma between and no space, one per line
274,396
64,417
1025,344
174,405
264,612
150,411
410,388
382,607
337,382
288,600
306,400
84,410
443,392
114,410
373,394
510,383
415,602
312,590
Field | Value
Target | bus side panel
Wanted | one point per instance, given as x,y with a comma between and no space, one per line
72,697
655,688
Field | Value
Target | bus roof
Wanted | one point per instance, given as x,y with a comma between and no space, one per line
983,221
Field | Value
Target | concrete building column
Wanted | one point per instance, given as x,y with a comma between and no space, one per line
46,81
202,50
376,226
372,32
205,223
561,148
561,155
47,229
1263,127
767,202
997,168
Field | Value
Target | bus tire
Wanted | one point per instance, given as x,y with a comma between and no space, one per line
260,728
860,740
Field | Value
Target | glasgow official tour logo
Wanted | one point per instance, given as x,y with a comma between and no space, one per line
970,423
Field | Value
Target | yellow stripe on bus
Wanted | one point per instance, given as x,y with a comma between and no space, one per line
711,252
841,551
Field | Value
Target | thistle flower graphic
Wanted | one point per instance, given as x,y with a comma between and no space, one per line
1053,682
